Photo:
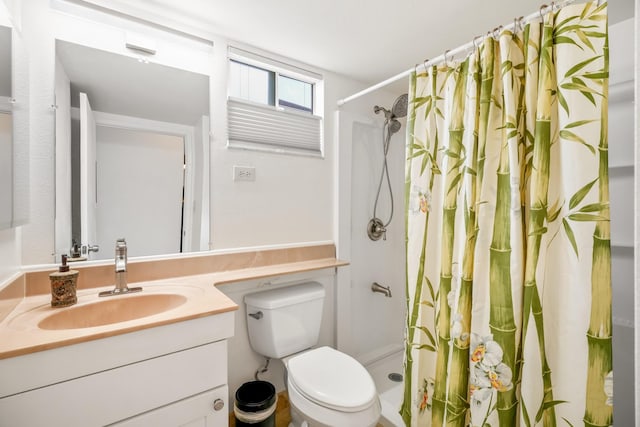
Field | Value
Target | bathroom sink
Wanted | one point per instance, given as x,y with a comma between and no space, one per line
111,310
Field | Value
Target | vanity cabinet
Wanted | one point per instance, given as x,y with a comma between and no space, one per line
172,375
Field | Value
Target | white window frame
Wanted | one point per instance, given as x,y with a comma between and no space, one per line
278,129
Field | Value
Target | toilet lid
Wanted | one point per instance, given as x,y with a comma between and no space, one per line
332,379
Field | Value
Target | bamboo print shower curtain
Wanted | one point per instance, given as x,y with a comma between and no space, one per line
508,254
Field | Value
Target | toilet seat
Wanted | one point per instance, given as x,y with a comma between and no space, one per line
332,379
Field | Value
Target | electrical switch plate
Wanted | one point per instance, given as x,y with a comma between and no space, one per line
244,173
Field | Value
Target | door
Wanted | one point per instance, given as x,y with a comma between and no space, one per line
88,184
208,409
140,190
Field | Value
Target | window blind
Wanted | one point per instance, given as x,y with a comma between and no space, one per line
264,127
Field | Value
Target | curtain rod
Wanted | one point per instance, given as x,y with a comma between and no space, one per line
544,9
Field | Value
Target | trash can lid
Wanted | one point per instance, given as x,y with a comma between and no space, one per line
255,396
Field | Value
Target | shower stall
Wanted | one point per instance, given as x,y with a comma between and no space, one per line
371,236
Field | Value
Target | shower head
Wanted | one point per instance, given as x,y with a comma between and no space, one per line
394,126
400,105
398,111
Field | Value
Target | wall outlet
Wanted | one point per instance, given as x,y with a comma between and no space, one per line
244,173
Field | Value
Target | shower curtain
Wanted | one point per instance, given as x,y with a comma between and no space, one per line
507,214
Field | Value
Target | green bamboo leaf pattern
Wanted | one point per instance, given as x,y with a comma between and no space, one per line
428,334
587,217
578,123
563,102
573,70
430,81
599,408
594,207
501,314
426,347
449,208
581,194
570,136
506,187
554,212
569,232
458,384
405,410
538,212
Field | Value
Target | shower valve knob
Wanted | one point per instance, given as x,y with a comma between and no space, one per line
376,230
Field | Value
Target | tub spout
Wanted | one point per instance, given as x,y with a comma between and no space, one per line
385,290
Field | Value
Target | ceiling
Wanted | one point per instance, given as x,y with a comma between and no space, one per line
368,40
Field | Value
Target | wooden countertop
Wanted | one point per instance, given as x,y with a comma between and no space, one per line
20,333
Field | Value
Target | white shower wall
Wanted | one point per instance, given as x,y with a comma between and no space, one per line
376,322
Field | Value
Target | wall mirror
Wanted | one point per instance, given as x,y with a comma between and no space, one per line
6,130
132,155
14,125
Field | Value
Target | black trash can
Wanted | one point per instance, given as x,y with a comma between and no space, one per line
255,405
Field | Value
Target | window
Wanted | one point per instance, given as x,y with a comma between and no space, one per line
293,93
251,83
272,106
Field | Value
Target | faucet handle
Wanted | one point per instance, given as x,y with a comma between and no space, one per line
87,249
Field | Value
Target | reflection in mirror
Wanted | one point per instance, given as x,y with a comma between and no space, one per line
132,142
6,130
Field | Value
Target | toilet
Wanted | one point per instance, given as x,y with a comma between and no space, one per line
326,388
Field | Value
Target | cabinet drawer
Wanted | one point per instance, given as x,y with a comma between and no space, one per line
116,394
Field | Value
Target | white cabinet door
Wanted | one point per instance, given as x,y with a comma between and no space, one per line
195,411
121,393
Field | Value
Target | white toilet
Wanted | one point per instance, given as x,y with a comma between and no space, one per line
326,388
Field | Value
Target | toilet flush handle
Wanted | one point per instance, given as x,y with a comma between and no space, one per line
258,315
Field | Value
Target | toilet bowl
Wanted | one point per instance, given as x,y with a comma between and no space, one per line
326,388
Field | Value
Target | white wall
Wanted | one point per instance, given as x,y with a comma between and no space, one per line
38,234
9,253
291,198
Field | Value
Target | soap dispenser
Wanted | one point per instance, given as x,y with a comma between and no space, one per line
63,285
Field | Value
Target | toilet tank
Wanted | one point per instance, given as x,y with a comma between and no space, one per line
285,321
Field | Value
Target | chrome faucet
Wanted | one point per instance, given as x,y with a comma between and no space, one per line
385,290
121,272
